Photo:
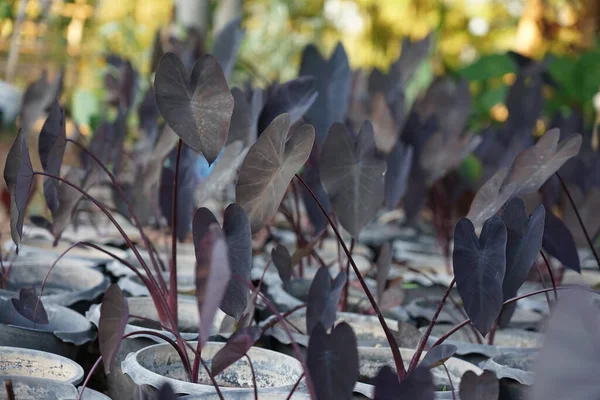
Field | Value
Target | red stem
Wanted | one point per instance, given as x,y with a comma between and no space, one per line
551,274
253,376
390,337
539,269
347,284
295,386
173,273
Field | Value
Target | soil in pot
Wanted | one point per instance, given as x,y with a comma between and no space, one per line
68,284
38,364
65,334
160,363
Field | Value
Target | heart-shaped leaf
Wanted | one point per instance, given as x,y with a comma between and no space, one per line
399,163
559,243
197,107
332,361
524,241
212,272
37,98
51,148
30,306
114,313
438,355
283,262
236,347
244,120
323,298
568,362
384,264
239,249
18,176
227,43
442,154
269,167
490,198
352,175
293,97
532,167
384,126
479,387
334,79
418,385
479,267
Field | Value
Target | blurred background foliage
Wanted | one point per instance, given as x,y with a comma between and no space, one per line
471,39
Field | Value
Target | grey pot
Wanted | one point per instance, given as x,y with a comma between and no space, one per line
90,394
133,286
514,371
68,284
43,246
38,389
506,341
27,363
159,364
121,386
64,335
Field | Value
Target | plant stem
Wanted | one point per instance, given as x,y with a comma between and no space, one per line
539,270
295,386
136,220
450,381
173,272
452,331
390,337
417,356
587,237
347,284
492,333
551,274
10,393
89,375
253,376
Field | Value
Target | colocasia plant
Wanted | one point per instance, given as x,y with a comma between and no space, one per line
343,183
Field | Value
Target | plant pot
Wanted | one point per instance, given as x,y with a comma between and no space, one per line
27,363
249,395
159,364
372,359
90,394
369,332
121,386
36,246
37,388
133,286
65,333
186,262
514,371
423,309
505,341
67,284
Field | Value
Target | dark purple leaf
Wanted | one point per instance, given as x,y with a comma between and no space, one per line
384,264
332,362
227,43
236,347
293,97
51,148
323,298
418,385
568,363
166,392
438,355
559,243
114,314
38,98
186,186
479,387
479,267
398,163
283,262
490,198
148,116
197,107
244,120
524,241
352,175
334,79
212,272
269,167
30,306
18,176
312,177
239,249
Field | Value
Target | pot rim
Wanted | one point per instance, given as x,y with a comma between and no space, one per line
77,378
143,376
